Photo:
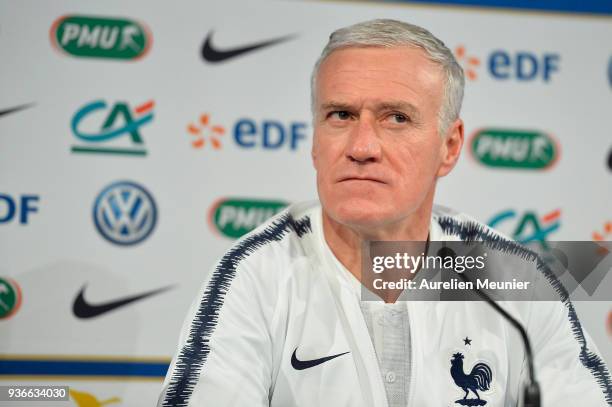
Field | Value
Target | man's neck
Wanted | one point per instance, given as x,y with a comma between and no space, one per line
346,241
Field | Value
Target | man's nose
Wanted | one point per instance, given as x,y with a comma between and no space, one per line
364,144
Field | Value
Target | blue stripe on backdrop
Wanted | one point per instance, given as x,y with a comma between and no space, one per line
603,7
82,368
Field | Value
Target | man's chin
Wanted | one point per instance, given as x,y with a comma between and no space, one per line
362,214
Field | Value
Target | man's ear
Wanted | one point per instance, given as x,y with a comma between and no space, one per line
313,153
451,147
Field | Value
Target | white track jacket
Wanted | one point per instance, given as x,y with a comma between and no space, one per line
279,295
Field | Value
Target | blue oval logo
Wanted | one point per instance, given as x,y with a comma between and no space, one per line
125,213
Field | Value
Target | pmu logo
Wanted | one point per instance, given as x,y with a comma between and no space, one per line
114,129
505,65
98,37
528,226
516,149
125,213
18,209
248,134
10,297
234,217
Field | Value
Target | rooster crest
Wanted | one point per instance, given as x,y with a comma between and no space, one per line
478,379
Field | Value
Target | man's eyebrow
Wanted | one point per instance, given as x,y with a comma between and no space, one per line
393,105
400,106
336,106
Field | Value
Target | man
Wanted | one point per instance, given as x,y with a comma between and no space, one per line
281,321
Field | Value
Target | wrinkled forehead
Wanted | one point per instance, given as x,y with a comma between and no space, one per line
379,74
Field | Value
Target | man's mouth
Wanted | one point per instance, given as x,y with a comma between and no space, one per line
362,179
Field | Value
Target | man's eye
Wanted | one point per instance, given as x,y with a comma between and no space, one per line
340,115
399,118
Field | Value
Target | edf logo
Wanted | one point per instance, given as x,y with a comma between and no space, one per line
523,66
18,209
269,135
504,65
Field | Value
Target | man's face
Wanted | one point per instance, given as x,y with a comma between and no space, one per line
376,149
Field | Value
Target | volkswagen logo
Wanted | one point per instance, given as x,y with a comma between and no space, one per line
125,213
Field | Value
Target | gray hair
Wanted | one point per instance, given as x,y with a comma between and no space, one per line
393,33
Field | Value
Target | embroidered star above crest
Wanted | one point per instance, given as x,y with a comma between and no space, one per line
467,341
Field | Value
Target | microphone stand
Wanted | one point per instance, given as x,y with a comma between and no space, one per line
531,391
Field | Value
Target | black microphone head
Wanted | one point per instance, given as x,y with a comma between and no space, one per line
531,395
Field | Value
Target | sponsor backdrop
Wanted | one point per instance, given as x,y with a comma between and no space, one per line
138,140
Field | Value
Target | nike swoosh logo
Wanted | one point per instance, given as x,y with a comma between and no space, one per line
82,309
15,109
212,54
305,364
